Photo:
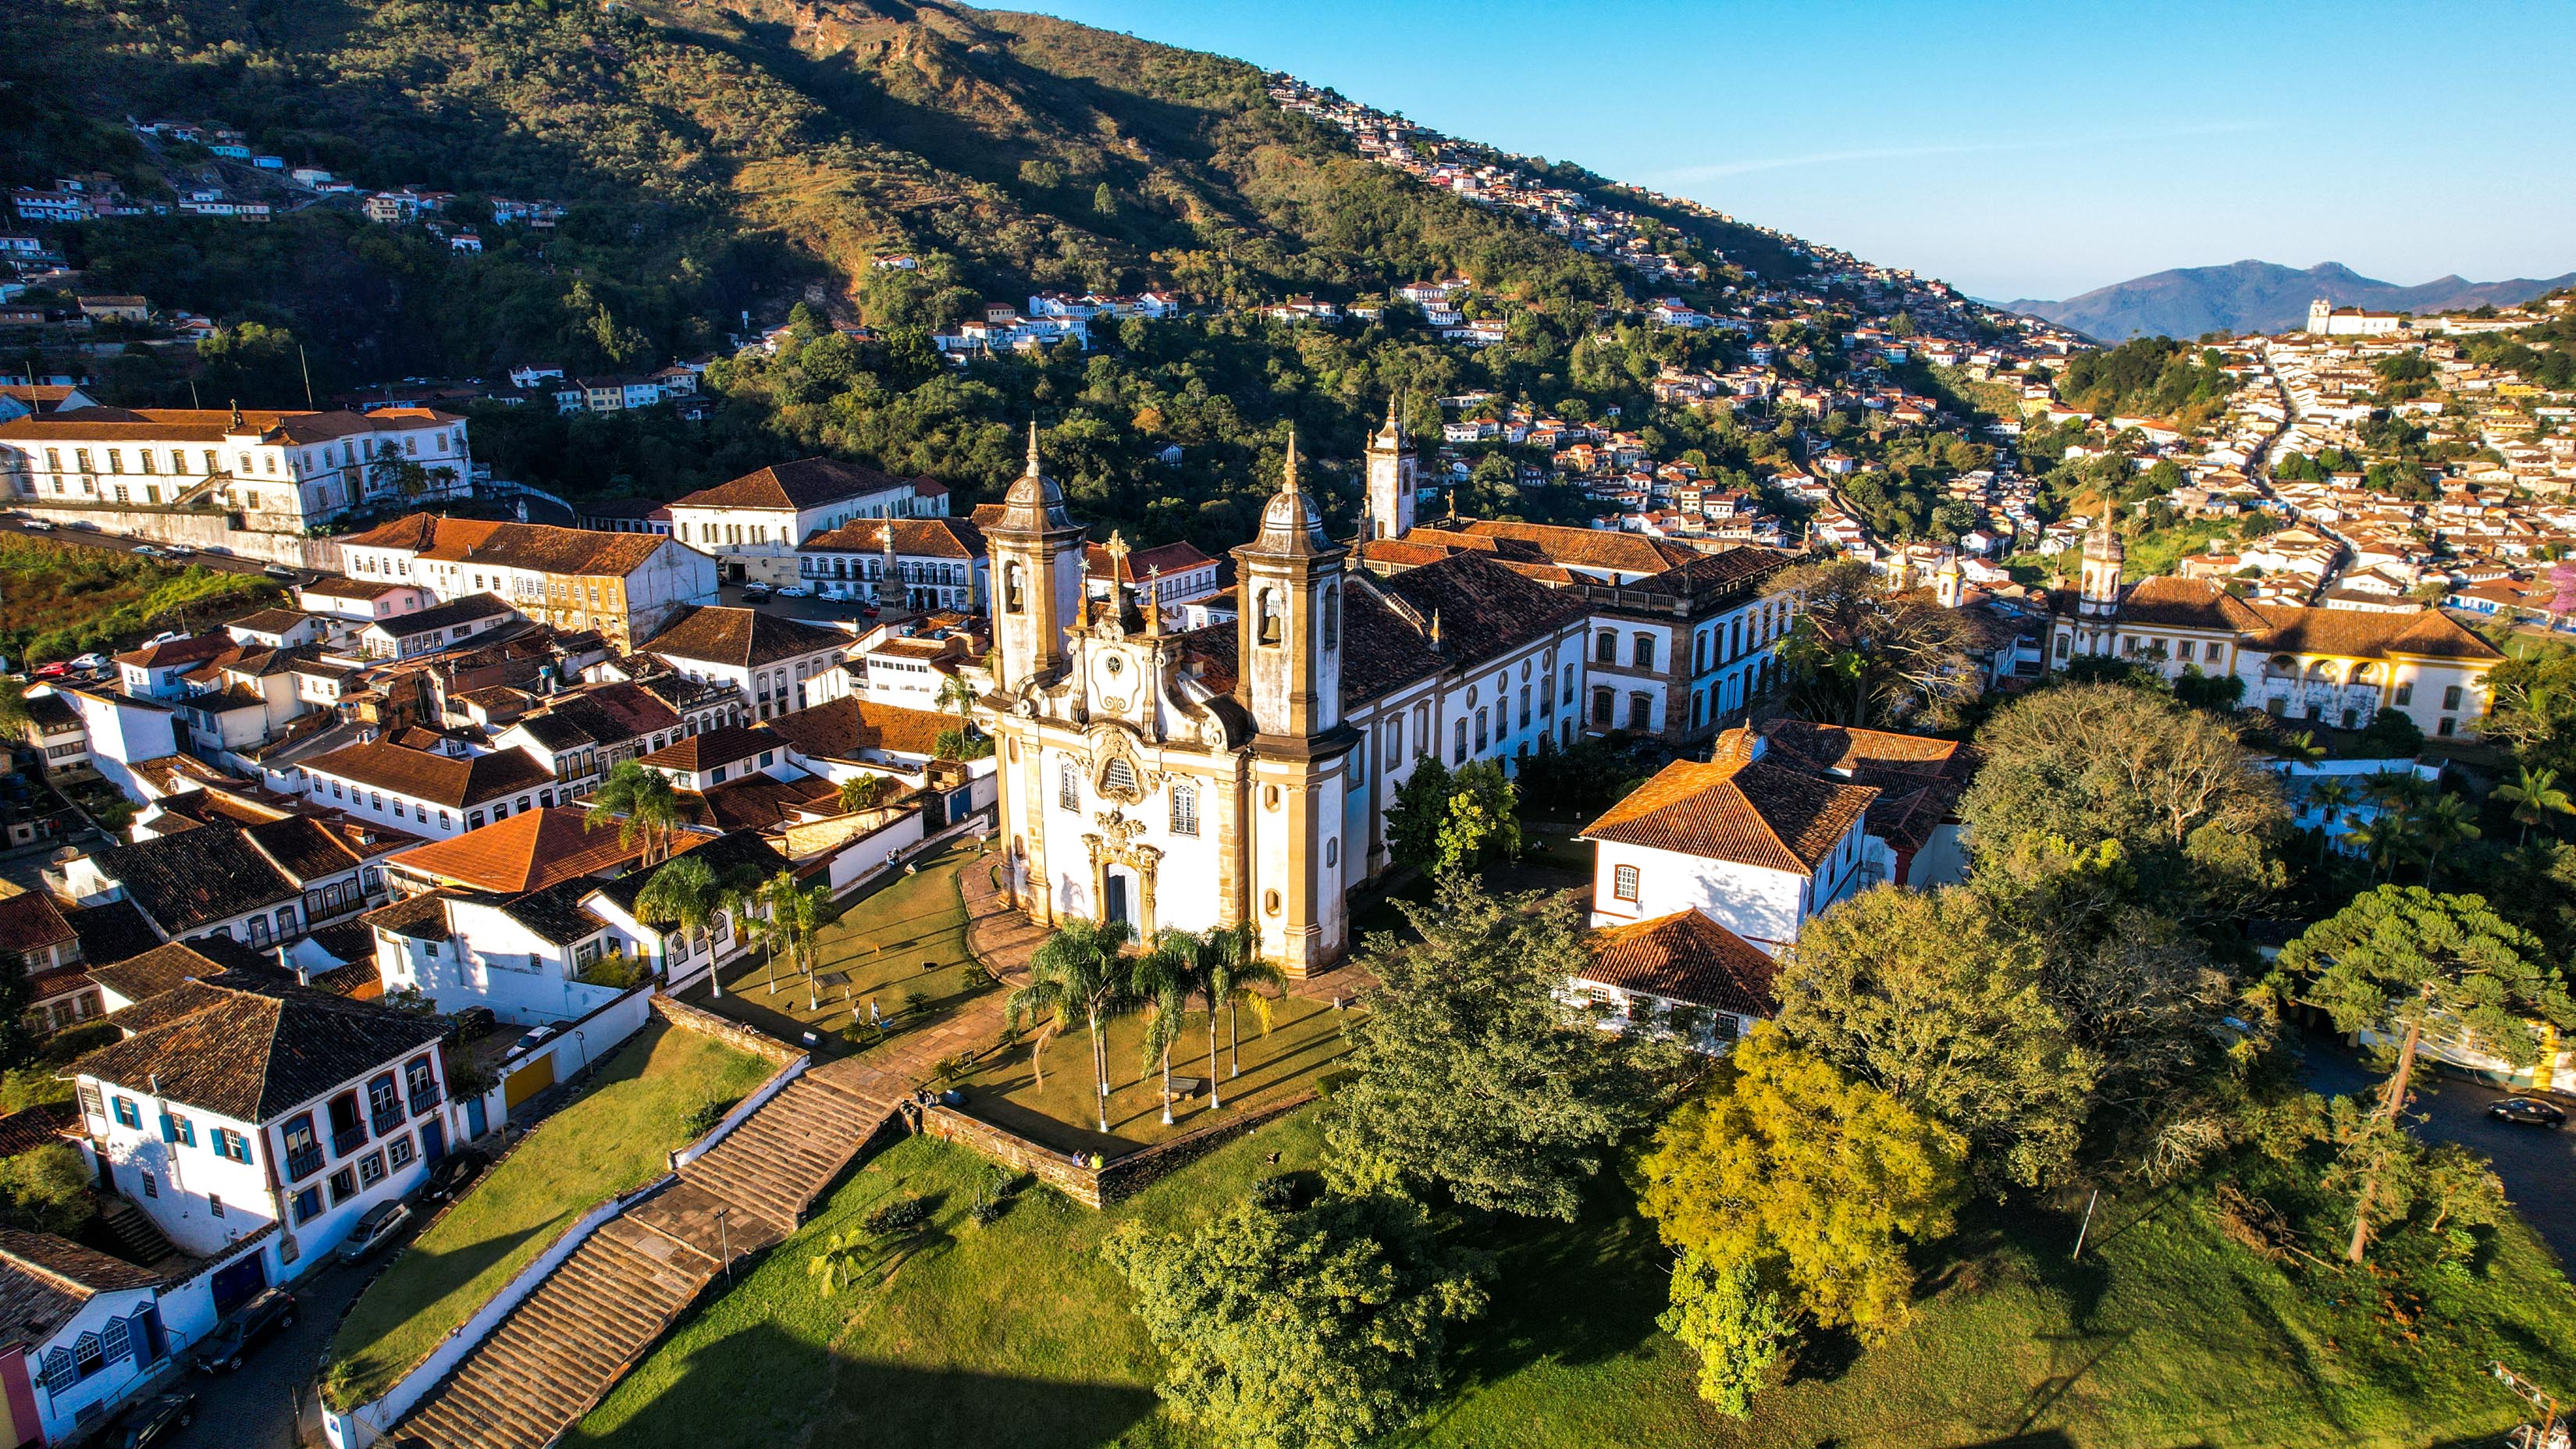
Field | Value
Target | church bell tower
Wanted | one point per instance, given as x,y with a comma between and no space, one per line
1036,551
1289,622
1391,482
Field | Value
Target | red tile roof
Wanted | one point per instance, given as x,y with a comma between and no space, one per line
441,779
1737,808
1685,957
805,483
527,852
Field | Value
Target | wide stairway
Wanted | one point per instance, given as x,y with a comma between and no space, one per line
562,1349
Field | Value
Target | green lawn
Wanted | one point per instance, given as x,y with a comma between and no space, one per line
903,943
618,1136
2167,1335
1304,1043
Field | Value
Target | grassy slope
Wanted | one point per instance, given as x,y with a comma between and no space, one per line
2166,1335
60,599
618,1136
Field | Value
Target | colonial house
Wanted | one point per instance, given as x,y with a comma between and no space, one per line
679,958
55,731
439,627
85,1334
122,732
2337,667
779,664
623,585
1682,974
430,795
753,525
282,471
240,1108
916,564
1758,846
581,737
261,884
1173,575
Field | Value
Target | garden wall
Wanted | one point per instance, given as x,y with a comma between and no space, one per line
1113,1181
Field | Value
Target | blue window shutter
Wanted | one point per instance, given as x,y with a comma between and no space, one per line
169,1131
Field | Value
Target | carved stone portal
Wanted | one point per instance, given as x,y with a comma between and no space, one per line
1116,844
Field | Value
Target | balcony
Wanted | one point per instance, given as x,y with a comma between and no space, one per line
424,1098
304,1164
345,1140
388,1119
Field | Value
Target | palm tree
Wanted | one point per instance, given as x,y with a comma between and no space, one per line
2535,797
682,892
2301,748
956,693
2443,823
792,921
1078,971
642,803
1164,978
863,792
2331,795
1236,976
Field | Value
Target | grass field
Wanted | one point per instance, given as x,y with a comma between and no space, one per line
1304,1043
63,598
905,941
617,1136
2167,1335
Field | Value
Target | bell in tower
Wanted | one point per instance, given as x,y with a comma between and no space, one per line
1036,549
1290,621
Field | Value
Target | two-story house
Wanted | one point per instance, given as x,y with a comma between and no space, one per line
624,585
261,884
430,795
237,1104
1758,847
780,665
752,525
85,1334
916,564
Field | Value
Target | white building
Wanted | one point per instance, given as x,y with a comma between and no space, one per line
433,796
625,585
780,665
282,471
85,1332
237,1108
917,564
753,524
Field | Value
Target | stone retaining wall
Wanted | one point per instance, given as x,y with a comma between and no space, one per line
759,1043
1112,1182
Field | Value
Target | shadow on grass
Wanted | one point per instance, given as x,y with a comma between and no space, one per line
1571,1293
762,1386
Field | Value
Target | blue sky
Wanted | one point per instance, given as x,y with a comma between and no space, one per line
2015,150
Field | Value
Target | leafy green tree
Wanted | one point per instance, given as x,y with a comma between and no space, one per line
1322,1329
2190,812
1928,997
2400,959
1861,653
1164,977
2533,707
1471,1075
253,364
863,792
1079,971
1482,821
1744,1335
1420,812
45,1190
1813,1181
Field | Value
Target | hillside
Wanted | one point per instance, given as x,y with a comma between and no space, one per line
716,157
2254,296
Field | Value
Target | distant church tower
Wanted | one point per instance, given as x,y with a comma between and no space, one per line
1289,657
1391,482
2320,317
1037,576
2098,604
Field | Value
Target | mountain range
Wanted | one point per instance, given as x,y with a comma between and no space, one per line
2256,296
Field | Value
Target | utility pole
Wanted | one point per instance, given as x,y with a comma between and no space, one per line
307,367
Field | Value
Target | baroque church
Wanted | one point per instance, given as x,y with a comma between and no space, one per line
1244,771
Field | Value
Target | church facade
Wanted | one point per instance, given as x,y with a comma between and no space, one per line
1244,771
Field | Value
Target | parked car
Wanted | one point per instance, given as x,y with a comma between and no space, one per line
868,611
795,591
535,1037
37,525
754,593
157,1420
376,1227
254,1323
278,571
55,670
145,550
89,661
2527,1112
452,1173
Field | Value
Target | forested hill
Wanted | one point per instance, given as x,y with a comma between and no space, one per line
716,152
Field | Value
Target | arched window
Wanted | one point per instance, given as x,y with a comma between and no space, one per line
1014,582
1269,617
1118,777
1068,785
1332,616
1185,808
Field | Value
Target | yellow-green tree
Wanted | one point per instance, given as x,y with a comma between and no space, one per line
1812,1182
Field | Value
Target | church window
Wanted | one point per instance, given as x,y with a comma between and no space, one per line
2063,646
1269,797
1525,706
1459,752
1425,744
1332,853
1185,808
1014,579
1569,684
1269,617
1480,732
1472,697
1640,709
1601,709
1394,742
1068,786
1332,617
1270,903
1117,778
1605,648
1645,651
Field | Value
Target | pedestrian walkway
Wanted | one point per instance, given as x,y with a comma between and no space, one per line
570,1341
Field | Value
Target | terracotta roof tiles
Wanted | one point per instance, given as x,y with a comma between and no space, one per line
1685,957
